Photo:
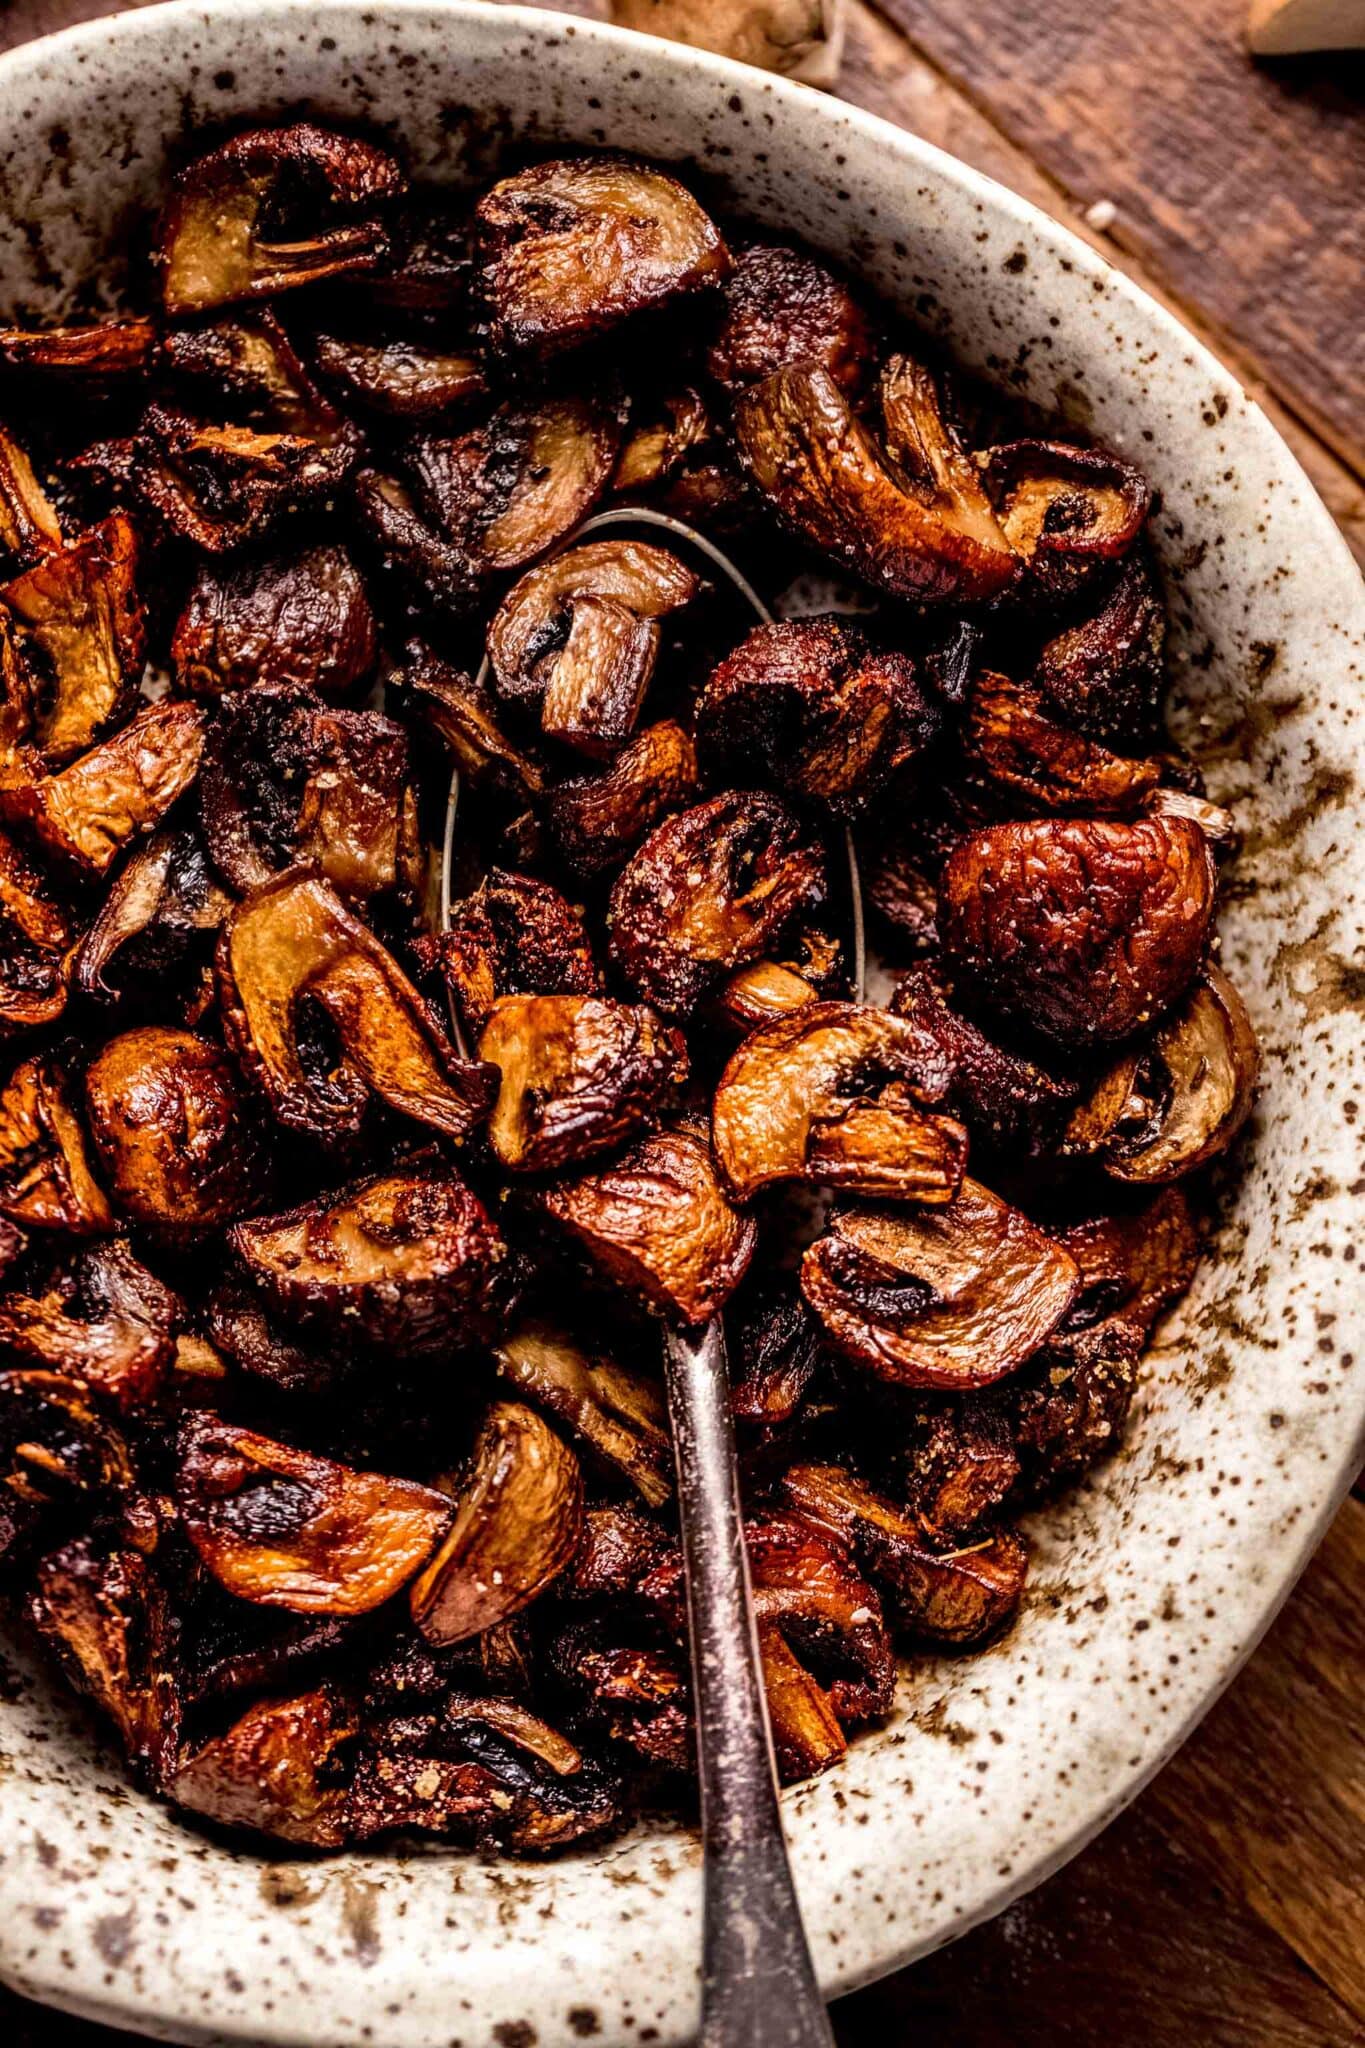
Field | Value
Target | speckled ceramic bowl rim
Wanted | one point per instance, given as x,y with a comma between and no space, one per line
995,1770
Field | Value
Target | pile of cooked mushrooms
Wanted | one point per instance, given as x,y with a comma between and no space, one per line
334,1464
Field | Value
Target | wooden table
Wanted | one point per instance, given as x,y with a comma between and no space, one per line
1228,1906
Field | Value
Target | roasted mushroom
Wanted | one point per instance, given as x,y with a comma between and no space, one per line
1106,674
35,935
668,433
513,936
596,820
301,618
613,1409
46,1178
761,994
1004,1097
408,1264
271,209
949,1297
110,1624
1011,739
56,1449
108,1323
89,813
159,917
29,527
570,248
464,715
432,574
956,1465
79,640
224,487
281,1770
1066,511
247,358
581,1075
401,378
1133,1263
783,309
709,890
776,1358
178,1145
99,353
1071,1405
1082,929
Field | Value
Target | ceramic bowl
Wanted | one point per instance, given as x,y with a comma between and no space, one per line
1152,1584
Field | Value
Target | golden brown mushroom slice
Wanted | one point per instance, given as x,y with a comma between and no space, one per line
158,919
1013,740
283,1528
581,1075
834,1093
1066,511
953,1297
400,377
29,527
783,308
108,1324
56,1449
110,1624
36,933
659,1223
271,209
80,636
91,811
282,1769
579,635
759,995
47,1181
220,488
614,1409
100,352
518,1519
406,1263
292,955
571,248
180,1146
597,820
709,890
926,533
300,618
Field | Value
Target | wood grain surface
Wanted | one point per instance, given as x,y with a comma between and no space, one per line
1226,1909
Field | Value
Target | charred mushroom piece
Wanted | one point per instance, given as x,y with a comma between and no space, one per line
401,378
55,1449
596,820
1082,929
616,1411
1004,1098
286,1529
834,1094
434,576
517,1523
571,248
249,359
957,1467
97,354
92,811
1011,739
29,527
161,912
281,1770
667,434
111,1326
321,1018
912,520
954,1297
658,1223
708,891
179,1146
220,235
35,935
778,1356
783,309
829,720
1132,1265
514,936
80,638
1106,675
1071,1407
1066,511
580,635
410,1265
634,1694
301,619
581,1075
223,487
462,714
111,1626
46,1178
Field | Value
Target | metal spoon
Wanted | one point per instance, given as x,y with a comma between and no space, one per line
759,1988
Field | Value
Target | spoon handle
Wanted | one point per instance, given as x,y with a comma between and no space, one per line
758,1984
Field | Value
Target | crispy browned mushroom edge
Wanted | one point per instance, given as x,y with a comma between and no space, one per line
334,1460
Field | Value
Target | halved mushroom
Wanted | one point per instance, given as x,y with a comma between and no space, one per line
465,717
286,1529
518,1518
1106,674
834,1093
302,618
811,705
760,995
270,209
1010,738
581,1075
1133,1264
1002,1096
29,527
408,1264
93,810
513,936
56,1450
615,1410
596,820
1066,511
108,1323
962,1597
912,519
322,1018
180,1147
104,350
159,917
35,935
709,890
570,248
282,1769
658,1223
46,1178
1084,929
400,377
222,487
1165,1109
110,1624
288,782
249,359
579,635
80,635
783,309
954,1297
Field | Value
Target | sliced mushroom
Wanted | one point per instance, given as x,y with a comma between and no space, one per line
223,487
80,638
465,717
784,309
410,1265
46,1178
1066,511
709,890
580,635
160,915
286,1529
514,936
1010,738
35,935
1082,929
217,239
581,1075
760,995
807,1738
302,618
517,1523
401,378
615,1410
834,1094
110,1624
105,350
1004,1097
1106,674
1132,1264
658,1223
570,248
56,1450
596,820
115,794
110,1324
29,527
178,1145
292,958
923,531
248,358
280,1770
953,1297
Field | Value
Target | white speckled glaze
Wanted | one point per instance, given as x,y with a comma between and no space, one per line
1152,1584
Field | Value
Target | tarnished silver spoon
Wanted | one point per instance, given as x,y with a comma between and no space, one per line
758,1983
